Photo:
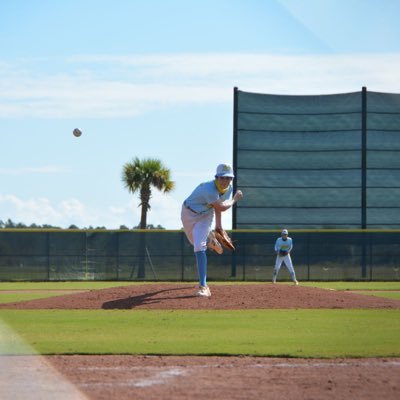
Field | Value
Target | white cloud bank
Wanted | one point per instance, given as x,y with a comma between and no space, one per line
125,86
165,212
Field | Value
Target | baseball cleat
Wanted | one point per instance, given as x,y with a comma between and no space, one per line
213,243
296,283
204,291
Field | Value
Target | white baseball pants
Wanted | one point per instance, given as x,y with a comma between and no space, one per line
288,262
197,227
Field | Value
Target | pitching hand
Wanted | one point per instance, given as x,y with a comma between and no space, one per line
238,195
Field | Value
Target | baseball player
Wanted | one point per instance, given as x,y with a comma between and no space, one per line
198,210
283,247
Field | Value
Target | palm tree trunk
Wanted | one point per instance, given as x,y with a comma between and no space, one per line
145,195
143,218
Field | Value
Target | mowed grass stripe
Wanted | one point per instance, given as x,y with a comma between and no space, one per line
290,333
386,294
392,285
67,285
92,285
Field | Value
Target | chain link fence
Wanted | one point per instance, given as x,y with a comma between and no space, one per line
58,255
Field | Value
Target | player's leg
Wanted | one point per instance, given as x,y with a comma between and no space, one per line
200,234
278,263
289,266
188,221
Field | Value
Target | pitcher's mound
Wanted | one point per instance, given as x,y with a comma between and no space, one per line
224,297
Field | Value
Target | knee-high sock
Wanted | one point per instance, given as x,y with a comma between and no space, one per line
201,259
274,274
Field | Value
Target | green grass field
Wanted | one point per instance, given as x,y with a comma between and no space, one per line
290,333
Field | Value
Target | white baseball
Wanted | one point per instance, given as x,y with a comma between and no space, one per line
77,132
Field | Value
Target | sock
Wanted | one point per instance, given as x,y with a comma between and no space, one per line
201,259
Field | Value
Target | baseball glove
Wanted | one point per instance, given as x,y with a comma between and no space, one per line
283,253
224,239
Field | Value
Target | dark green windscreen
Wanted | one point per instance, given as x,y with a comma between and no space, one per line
299,160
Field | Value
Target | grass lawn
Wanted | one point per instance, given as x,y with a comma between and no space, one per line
67,285
386,294
392,285
291,333
23,296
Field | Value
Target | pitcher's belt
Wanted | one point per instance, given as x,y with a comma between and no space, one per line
193,211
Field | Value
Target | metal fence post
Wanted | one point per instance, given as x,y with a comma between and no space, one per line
308,255
235,129
364,178
48,254
182,255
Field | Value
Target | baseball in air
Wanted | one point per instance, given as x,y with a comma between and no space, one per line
77,132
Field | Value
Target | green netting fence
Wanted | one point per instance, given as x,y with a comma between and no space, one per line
320,161
57,255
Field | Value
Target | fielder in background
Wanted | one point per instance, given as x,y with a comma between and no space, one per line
283,247
208,199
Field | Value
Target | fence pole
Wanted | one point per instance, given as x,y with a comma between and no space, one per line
235,129
48,255
182,256
364,179
308,256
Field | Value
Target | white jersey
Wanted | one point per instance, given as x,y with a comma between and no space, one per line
286,245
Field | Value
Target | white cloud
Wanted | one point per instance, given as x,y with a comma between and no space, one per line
39,210
112,86
165,211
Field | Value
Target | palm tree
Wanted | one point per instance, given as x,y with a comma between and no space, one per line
142,175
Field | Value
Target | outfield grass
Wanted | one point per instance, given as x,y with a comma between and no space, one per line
290,333
392,285
67,285
23,296
90,285
387,295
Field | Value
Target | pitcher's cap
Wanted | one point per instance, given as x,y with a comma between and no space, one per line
285,232
225,170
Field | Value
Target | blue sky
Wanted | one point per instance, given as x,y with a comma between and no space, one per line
155,79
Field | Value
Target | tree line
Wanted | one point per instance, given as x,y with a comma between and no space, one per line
9,224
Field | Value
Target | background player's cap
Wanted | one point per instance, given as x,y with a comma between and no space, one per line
225,170
285,232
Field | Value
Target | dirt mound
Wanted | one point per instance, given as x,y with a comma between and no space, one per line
233,297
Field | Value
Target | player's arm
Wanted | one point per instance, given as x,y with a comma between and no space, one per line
277,246
218,219
227,204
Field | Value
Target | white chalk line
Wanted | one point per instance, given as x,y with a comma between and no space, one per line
328,364
158,378
26,375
